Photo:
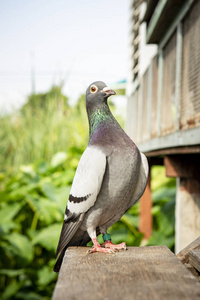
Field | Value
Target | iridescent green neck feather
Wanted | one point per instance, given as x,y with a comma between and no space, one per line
98,117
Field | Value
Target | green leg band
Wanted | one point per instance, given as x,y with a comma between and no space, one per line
106,237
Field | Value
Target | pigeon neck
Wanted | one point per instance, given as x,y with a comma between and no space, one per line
98,116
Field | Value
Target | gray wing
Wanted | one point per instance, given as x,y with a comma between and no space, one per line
142,180
85,188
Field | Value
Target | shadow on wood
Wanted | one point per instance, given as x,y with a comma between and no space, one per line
139,273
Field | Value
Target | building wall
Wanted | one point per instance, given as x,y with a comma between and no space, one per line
163,116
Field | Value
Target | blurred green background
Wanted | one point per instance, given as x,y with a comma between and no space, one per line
40,147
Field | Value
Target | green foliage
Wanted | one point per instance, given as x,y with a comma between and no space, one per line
44,126
41,145
31,216
41,101
120,91
163,211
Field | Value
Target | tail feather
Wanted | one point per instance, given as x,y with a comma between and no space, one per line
59,261
67,232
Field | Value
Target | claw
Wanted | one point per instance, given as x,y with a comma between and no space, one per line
110,245
97,248
101,249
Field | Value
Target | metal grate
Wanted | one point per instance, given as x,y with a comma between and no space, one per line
190,81
168,91
154,97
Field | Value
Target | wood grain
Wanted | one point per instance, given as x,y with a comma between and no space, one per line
194,259
183,255
139,273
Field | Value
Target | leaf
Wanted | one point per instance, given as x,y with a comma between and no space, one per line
47,211
22,191
134,210
62,197
130,222
11,290
42,168
11,273
48,237
63,178
28,170
167,218
29,296
159,239
155,210
164,194
21,247
58,159
7,227
3,196
119,237
8,212
134,220
48,189
46,276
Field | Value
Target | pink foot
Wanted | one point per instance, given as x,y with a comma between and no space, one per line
97,248
110,245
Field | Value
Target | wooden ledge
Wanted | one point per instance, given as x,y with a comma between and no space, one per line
152,272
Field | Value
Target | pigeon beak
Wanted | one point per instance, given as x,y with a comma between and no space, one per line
108,91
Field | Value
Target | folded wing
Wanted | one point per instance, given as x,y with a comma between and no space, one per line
84,191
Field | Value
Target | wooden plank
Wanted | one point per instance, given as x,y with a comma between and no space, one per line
189,137
179,50
145,218
176,150
183,255
159,91
164,20
187,211
154,20
194,259
139,273
185,166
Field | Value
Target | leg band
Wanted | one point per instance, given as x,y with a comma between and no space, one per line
106,237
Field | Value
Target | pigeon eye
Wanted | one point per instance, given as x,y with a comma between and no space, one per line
93,89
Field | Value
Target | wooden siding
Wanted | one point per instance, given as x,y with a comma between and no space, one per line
167,97
190,83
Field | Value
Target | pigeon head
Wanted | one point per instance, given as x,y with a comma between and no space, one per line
96,105
98,93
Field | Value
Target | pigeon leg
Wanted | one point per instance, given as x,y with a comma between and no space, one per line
97,248
108,244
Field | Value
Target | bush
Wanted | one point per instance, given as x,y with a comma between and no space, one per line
32,208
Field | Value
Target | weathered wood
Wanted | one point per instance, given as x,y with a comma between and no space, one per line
138,273
187,212
145,219
176,150
184,166
193,270
182,138
183,255
194,259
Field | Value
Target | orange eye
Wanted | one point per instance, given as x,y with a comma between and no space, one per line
93,89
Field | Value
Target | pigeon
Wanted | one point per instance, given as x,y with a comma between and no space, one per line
110,178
